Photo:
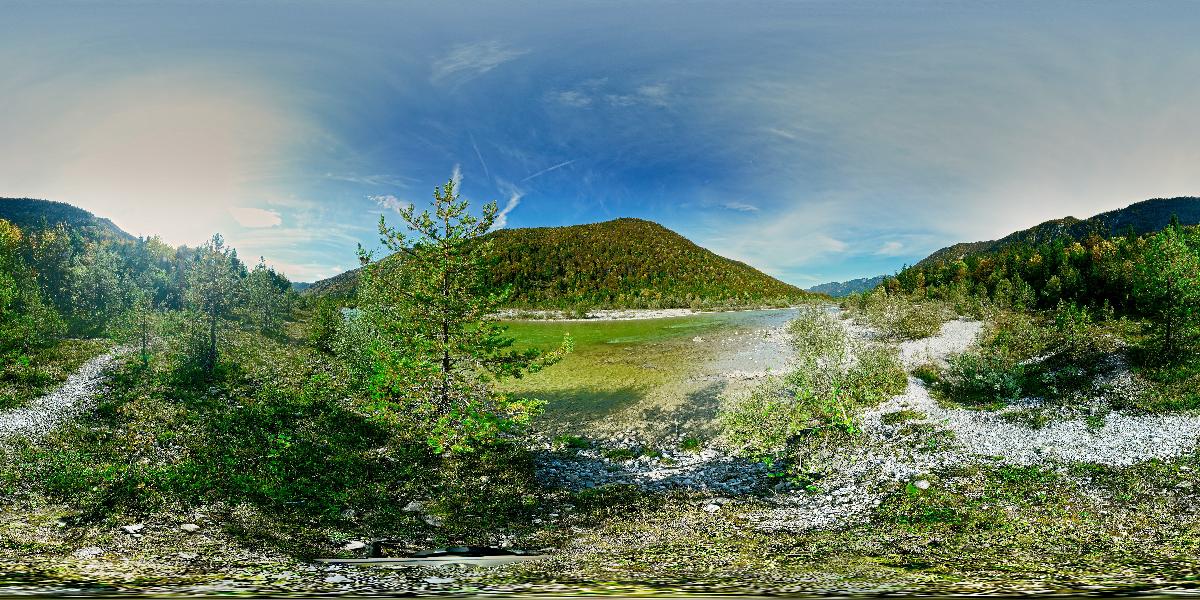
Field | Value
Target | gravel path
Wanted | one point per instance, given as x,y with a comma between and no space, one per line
73,397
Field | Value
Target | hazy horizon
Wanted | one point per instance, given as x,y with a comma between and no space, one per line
816,141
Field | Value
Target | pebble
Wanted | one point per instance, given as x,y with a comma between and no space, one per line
189,527
712,508
354,545
438,580
134,528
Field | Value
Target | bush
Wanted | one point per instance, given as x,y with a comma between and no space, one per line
983,379
900,317
817,333
802,418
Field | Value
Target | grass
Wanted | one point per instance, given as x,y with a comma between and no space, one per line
26,376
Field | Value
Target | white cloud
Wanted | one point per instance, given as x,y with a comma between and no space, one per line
740,206
389,202
892,248
468,61
255,218
572,98
657,94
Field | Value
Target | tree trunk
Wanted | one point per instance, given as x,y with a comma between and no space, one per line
211,361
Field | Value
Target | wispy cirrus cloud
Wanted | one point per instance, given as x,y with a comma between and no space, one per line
740,206
468,61
549,169
389,202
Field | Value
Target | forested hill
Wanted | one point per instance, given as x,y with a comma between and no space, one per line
33,215
839,289
620,263
1144,217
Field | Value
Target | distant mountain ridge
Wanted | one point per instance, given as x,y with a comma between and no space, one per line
31,214
839,289
620,263
1144,217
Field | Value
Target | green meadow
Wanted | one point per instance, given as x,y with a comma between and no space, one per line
630,374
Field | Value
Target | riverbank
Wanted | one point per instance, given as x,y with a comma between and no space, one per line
622,314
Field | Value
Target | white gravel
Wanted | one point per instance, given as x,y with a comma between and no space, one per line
74,396
955,337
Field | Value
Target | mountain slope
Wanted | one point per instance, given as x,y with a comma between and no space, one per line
1144,217
838,289
620,263
31,215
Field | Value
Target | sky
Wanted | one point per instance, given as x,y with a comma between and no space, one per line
817,141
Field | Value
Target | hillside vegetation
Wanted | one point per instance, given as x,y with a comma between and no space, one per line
1141,218
624,263
35,215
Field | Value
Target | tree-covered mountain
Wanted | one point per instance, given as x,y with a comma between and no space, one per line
32,215
1143,217
619,263
839,289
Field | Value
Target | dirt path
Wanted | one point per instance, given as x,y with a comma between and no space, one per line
49,411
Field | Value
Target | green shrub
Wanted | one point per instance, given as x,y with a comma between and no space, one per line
983,379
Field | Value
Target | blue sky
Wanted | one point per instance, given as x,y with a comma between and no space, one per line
817,141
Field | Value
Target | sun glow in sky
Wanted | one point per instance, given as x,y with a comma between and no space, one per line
817,141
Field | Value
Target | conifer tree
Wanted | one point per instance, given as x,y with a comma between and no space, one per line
439,351
213,288
1167,287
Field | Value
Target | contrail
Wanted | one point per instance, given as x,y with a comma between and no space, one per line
547,170
478,154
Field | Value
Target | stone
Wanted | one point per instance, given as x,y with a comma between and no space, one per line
432,520
88,552
712,507
438,580
189,527
188,555
921,484
414,506
134,528
337,579
354,545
